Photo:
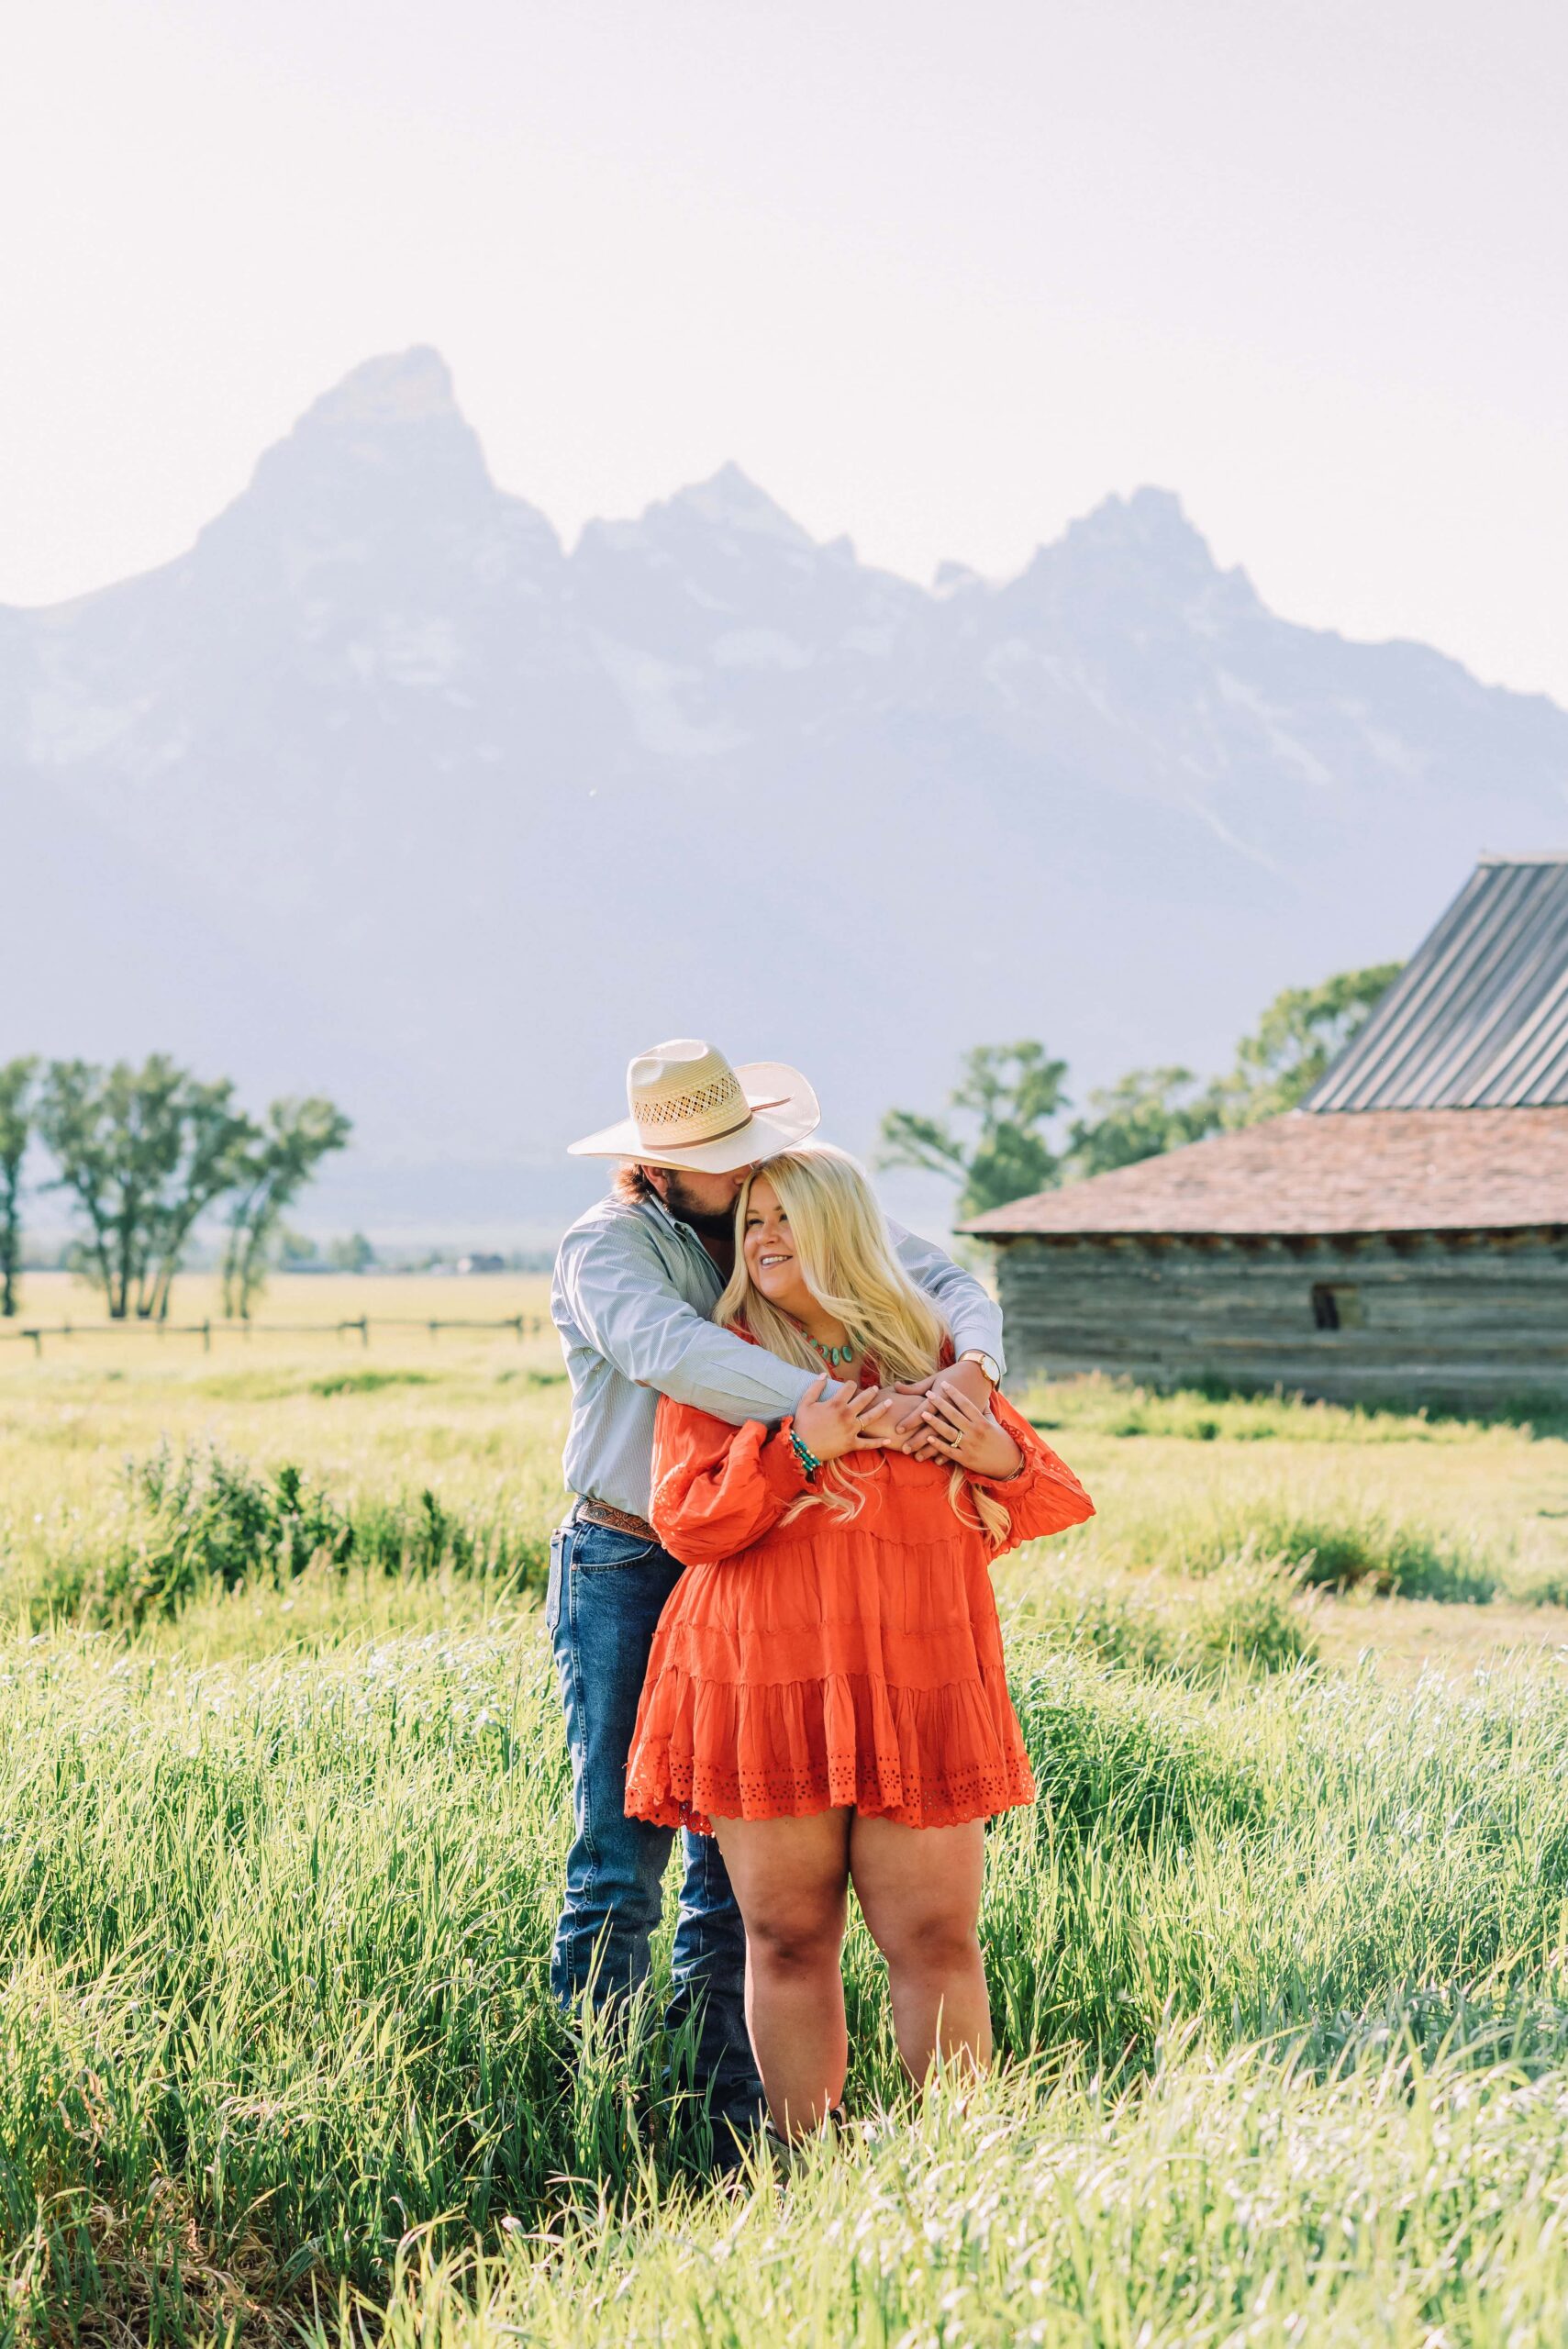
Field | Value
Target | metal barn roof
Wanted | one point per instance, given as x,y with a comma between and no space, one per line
1478,1018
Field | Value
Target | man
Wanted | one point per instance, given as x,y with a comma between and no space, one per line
634,1282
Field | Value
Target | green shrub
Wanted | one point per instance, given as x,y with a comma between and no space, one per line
195,1522
1340,1550
1114,1761
1245,1617
416,1534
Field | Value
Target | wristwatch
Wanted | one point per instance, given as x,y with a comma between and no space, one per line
988,1363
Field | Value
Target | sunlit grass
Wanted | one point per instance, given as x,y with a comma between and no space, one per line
1122,1407
1243,2198
1277,1961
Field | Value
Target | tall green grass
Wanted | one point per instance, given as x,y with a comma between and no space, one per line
1277,1960
1340,1548
277,1933
1247,2199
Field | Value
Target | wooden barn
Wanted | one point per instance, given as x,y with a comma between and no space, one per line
1404,1233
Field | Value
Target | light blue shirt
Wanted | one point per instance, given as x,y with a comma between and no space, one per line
631,1297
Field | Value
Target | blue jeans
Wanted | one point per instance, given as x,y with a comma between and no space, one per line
606,1593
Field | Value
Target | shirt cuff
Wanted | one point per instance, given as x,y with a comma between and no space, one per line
980,1342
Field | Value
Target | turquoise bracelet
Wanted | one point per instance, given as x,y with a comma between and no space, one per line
809,1464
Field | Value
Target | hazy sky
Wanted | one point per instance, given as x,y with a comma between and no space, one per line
940,276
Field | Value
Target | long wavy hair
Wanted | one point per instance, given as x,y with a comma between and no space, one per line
847,1260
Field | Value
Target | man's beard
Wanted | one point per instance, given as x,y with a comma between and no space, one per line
704,1222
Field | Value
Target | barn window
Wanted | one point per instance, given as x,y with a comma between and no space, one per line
1336,1307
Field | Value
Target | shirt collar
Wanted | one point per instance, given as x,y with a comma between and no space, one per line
684,1232
655,1205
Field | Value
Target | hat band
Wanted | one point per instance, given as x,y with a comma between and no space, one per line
694,1141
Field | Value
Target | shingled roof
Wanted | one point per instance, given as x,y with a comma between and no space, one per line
1305,1176
1478,1018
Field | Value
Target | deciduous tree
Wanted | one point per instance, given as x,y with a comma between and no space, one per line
295,1137
1147,1111
145,1152
999,1150
16,1132
353,1254
1301,1031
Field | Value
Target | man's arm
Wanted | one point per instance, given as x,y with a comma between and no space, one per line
975,1319
622,1298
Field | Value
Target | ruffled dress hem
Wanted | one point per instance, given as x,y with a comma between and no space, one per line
707,1751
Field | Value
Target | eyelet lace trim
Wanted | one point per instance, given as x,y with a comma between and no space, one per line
914,1785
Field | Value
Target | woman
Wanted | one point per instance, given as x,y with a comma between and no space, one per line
826,1692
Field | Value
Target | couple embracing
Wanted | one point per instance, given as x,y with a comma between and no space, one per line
771,1604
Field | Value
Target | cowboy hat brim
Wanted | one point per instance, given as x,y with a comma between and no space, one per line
790,1114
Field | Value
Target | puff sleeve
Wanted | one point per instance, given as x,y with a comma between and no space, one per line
1043,1496
718,1488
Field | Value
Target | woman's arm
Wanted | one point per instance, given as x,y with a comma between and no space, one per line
717,1489
1043,1496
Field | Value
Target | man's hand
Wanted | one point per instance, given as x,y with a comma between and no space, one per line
960,1378
898,1417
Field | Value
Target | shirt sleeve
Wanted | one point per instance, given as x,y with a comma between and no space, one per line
625,1303
717,1489
975,1319
1042,1497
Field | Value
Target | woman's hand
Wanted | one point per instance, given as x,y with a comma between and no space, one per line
829,1425
970,1437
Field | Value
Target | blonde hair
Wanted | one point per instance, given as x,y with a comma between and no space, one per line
847,1260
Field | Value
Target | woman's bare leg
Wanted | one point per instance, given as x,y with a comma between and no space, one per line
920,1890
791,1878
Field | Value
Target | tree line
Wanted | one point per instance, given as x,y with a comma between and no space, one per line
144,1154
1010,1136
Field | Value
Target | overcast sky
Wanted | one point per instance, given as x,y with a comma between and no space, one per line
940,276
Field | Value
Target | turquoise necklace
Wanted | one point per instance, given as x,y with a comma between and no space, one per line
832,1355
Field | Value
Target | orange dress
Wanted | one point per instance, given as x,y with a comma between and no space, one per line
832,1660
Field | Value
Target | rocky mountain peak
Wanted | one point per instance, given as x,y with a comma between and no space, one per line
1129,565
412,386
387,443
730,500
1150,528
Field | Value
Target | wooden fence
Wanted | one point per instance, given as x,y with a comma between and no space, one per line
522,1325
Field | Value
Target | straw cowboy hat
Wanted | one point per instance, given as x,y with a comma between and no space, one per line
689,1108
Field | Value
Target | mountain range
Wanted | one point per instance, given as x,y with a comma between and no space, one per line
379,789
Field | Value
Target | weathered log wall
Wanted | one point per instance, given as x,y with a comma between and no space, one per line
1464,1318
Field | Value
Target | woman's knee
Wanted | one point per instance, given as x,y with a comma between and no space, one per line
929,1941
798,1939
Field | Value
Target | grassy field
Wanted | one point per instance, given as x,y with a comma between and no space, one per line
1280,1963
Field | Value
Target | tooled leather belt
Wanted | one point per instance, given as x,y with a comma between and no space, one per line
620,1521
